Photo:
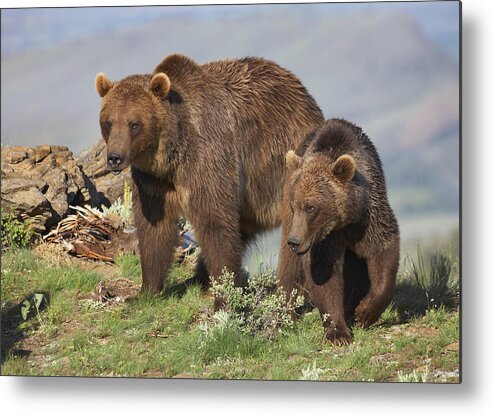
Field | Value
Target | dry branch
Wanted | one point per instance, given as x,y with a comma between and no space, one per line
87,233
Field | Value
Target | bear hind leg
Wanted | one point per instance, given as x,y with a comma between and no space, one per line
201,275
382,271
221,248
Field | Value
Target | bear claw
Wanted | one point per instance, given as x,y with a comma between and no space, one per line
342,338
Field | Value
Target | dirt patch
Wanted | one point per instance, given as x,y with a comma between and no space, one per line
453,347
420,331
414,331
385,359
116,291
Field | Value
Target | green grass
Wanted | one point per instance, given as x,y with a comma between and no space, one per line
174,335
130,266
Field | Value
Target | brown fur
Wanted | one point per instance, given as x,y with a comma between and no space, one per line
340,239
206,142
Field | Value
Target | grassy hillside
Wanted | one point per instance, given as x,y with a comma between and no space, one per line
72,333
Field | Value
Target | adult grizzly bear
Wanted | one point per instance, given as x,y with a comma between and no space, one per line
206,142
340,238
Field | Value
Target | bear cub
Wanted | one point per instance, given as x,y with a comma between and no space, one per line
340,237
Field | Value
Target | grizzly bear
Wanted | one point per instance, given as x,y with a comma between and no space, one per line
340,238
206,142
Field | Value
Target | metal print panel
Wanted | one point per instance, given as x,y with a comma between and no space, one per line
263,192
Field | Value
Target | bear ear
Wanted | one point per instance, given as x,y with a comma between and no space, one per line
293,161
160,85
103,84
344,168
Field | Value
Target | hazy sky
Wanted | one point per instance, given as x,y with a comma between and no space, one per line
24,29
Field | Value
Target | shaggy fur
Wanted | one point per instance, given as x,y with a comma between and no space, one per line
207,142
340,238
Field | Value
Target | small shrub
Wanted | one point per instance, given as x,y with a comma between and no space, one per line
257,308
122,209
15,233
414,376
436,284
424,287
311,372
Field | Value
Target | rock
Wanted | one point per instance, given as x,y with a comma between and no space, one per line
41,152
39,184
105,187
24,199
17,156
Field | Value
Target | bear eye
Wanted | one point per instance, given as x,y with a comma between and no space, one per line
134,126
309,208
108,124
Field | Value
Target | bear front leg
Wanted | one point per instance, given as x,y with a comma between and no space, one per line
382,272
329,299
155,217
324,268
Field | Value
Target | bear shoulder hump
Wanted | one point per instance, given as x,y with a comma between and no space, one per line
176,64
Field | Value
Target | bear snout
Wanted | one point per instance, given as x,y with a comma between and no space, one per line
115,162
298,246
294,243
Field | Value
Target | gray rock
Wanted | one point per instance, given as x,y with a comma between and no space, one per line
41,152
24,199
39,184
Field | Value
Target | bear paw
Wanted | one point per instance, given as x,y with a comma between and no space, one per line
366,314
339,336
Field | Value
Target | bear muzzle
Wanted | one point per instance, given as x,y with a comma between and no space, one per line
116,163
298,246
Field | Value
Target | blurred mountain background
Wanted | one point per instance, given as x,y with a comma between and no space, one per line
392,68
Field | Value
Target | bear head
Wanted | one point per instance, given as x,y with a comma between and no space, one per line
130,119
319,196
